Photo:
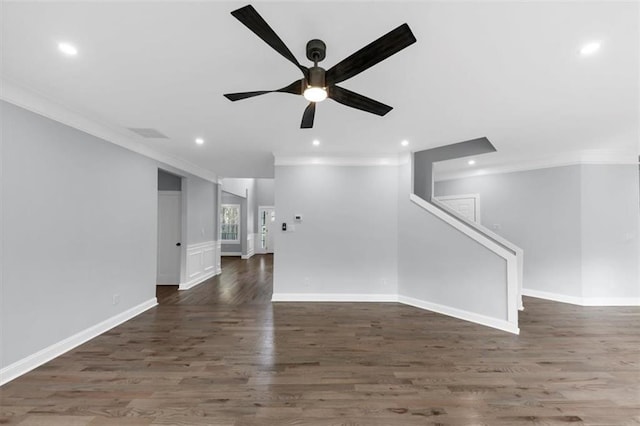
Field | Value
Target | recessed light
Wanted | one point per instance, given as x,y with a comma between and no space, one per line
590,48
199,141
68,49
315,142
404,142
471,162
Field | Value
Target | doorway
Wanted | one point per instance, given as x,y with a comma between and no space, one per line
266,229
169,237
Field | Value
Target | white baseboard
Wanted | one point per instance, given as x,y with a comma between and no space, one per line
582,301
332,297
198,280
461,314
45,355
231,253
441,309
247,256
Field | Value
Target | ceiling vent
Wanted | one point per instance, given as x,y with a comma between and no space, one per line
148,133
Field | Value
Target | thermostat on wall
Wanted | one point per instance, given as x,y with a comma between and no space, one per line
297,217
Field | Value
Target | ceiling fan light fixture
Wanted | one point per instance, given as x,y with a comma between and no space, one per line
315,94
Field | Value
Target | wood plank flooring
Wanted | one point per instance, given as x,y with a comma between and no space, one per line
222,354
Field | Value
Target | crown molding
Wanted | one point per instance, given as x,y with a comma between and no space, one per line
327,160
576,158
42,105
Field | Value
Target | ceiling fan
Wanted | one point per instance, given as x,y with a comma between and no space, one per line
318,83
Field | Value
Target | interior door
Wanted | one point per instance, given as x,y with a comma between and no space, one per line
467,206
169,236
267,220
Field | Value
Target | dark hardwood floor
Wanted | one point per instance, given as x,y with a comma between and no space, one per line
222,354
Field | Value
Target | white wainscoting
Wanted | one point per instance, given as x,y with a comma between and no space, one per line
218,257
202,263
45,355
251,246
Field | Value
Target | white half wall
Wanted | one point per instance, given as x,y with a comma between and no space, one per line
444,270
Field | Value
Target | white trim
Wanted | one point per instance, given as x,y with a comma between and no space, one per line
250,247
231,253
218,257
583,301
201,263
586,157
45,355
461,314
515,250
40,104
434,307
203,245
258,236
382,161
198,280
332,297
476,200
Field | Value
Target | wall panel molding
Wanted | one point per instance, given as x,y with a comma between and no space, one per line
202,263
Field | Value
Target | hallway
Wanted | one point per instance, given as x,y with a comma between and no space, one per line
222,354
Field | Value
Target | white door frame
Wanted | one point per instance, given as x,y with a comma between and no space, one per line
476,198
258,246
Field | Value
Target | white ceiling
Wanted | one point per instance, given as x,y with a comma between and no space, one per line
510,71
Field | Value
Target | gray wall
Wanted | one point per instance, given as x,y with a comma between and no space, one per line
347,241
168,181
265,196
438,264
200,198
423,162
577,225
79,219
610,234
265,190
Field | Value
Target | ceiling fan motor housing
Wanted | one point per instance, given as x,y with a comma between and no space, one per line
316,50
316,77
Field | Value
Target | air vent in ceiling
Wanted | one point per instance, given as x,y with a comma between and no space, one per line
148,133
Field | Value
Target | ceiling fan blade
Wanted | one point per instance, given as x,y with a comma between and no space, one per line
307,117
377,51
357,101
245,95
252,20
294,88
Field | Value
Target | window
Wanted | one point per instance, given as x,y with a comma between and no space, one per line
230,223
